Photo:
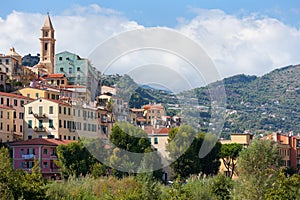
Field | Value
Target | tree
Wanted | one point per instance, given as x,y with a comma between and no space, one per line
132,150
184,145
229,154
284,186
74,159
7,186
255,165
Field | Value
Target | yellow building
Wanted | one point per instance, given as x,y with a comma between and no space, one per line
47,93
153,113
240,138
6,124
45,118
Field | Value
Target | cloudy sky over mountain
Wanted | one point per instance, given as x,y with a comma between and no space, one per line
250,38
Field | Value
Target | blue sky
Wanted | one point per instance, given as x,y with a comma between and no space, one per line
240,36
165,13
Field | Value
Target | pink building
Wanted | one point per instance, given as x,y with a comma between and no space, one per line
43,150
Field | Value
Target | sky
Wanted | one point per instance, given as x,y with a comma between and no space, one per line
249,36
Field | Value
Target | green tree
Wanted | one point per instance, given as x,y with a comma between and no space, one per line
7,186
254,168
229,154
185,142
33,185
284,187
75,159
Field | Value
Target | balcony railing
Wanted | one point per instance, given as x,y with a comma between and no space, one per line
40,115
28,156
39,129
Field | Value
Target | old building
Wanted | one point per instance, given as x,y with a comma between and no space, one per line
79,71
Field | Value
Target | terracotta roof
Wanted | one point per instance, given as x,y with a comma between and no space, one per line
73,86
54,76
141,119
152,130
14,95
137,109
43,141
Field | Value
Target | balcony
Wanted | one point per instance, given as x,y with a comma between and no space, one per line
28,156
39,129
39,115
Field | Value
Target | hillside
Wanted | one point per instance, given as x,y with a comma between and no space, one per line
256,104
261,104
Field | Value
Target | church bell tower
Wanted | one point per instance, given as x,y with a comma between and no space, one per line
47,45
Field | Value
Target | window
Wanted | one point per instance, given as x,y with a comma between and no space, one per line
65,110
155,140
6,61
22,103
2,100
0,61
65,124
29,123
59,110
69,111
7,127
65,137
62,81
45,165
74,138
70,70
15,115
21,115
46,46
1,126
22,151
74,112
52,96
29,137
78,113
7,115
45,151
45,33
61,69
60,58
50,123
7,70
15,128
37,95
30,110
78,69
28,95
15,102
69,137
59,123
50,109
40,110
1,114
21,128
7,102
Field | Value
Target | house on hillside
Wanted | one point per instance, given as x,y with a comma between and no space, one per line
43,150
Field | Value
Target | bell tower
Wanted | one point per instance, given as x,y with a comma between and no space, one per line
47,45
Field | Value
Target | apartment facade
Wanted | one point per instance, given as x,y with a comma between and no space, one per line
40,92
47,118
43,150
11,116
79,71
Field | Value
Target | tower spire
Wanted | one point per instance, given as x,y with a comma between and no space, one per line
47,45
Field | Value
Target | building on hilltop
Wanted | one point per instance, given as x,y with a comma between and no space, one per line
79,71
11,64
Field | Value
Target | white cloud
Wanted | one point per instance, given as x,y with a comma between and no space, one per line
248,44
78,30
251,44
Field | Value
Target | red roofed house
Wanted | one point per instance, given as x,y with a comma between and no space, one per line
44,150
56,79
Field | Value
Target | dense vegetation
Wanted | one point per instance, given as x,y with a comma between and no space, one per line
256,104
259,178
